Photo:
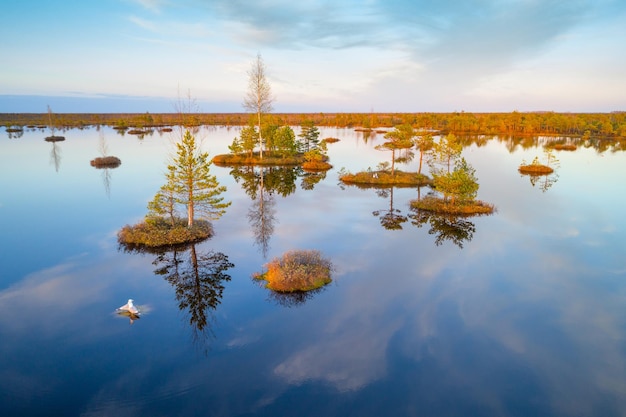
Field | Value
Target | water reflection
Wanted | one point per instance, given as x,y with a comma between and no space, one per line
198,279
55,156
390,218
294,298
543,182
261,184
15,133
456,229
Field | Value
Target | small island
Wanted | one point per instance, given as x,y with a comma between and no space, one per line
189,185
106,162
277,146
297,271
384,177
536,167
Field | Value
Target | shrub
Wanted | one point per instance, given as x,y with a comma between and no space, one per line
298,270
536,169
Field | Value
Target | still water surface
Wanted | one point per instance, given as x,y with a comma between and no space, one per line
522,313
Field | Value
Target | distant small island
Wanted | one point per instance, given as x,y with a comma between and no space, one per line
106,162
385,178
444,206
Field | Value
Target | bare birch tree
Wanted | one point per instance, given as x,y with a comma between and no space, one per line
258,98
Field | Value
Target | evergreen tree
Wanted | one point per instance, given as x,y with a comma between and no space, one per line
309,136
445,152
460,184
190,183
285,140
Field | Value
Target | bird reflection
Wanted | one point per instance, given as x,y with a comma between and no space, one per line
129,310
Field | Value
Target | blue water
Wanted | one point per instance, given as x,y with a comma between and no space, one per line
522,316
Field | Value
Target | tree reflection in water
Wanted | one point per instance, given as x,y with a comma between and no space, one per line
198,279
55,156
294,298
262,183
456,229
392,218
544,182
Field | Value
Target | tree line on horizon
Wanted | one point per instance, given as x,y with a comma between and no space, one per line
603,125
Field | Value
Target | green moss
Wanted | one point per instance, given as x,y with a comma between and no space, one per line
157,232
460,208
269,158
385,178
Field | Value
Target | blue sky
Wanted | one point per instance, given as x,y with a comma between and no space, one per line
328,56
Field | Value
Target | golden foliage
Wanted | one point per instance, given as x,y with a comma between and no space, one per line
297,270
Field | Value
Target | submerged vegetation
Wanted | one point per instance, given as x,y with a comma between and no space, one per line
297,271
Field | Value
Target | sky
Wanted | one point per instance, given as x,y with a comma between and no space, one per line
111,56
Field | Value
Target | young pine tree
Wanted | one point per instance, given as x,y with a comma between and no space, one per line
190,183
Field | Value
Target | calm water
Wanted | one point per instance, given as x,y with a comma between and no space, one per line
522,313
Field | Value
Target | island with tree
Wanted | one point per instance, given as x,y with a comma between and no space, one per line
268,143
190,185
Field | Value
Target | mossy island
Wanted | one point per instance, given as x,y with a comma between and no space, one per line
297,271
535,169
54,138
385,178
454,208
189,187
273,145
564,147
158,232
106,162
255,158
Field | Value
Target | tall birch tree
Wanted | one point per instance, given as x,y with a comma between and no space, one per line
258,98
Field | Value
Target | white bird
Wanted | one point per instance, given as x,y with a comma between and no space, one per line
130,307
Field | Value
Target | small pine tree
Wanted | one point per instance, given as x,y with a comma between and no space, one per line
309,136
190,183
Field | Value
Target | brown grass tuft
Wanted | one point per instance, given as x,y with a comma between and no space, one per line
536,169
297,270
106,162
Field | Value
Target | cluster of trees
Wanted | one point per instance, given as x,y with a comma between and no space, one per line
451,174
276,140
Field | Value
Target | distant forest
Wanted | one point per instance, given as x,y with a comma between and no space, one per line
599,125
